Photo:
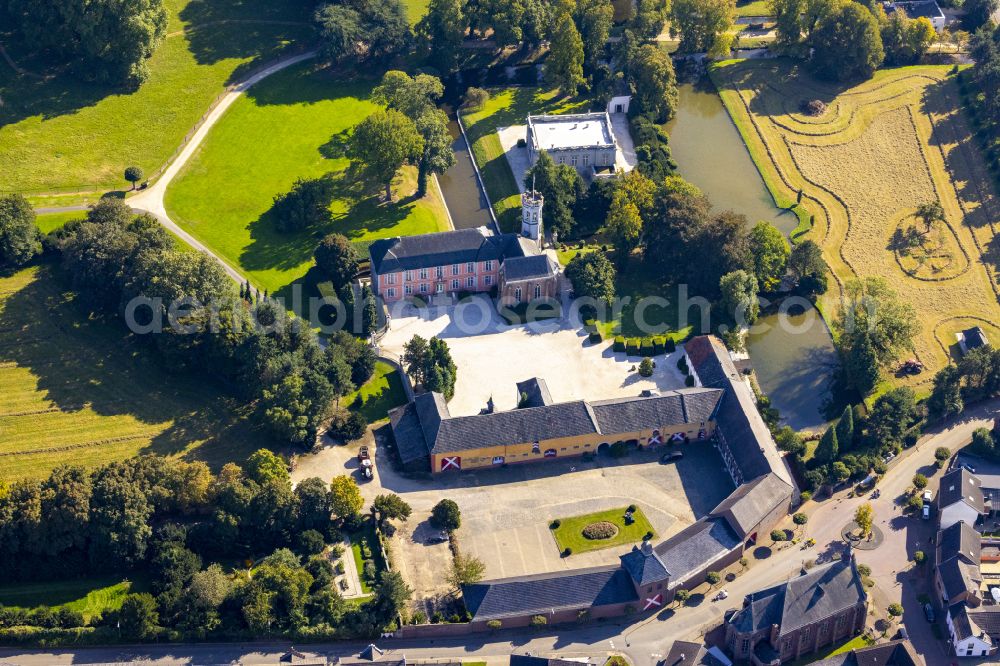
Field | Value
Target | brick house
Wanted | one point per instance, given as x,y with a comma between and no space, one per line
787,621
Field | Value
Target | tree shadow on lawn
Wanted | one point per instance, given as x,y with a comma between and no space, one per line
965,163
362,214
58,93
80,361
780,78
246,29
308,83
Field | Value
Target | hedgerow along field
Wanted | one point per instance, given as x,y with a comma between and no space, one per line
505,107
81,391
58,133
291,125
864,164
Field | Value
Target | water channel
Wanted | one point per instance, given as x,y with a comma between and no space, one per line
466,202
795,362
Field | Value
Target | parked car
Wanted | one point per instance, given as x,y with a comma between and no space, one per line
367,469
968,467
722,594
928,497
929,612
927,512
440,537
363,454
671,456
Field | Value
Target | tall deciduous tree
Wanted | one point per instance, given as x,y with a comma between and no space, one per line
361,30
338,259
701,22
19,237
945,400
769,251
437,155
563,68
653,82
739,297
873,313
906,40
383,142
847,44
593,276
787,21
442,29
594,19
624,226
345,497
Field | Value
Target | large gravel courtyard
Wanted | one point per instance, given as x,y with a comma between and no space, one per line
492,357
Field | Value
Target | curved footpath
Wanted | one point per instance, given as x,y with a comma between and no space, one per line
150,200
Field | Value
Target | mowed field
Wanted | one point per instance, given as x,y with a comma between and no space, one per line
878,151
291,125
79,391
58,132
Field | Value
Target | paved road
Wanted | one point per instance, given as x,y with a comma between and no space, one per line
644,642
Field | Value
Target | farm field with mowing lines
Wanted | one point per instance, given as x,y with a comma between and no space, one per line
290,125
60,133
880,149
83,392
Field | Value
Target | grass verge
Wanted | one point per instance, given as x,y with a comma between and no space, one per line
569,534
89,596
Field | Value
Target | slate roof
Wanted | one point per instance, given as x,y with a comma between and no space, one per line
966,622
696,546
543,593
620,415
536,391
958,577
747,506
822,592
415,425
895,653
961,485
959,540
693,654
390,255
737,417
987,619
565,419
526,268
644,565
975,338
438,432
531,660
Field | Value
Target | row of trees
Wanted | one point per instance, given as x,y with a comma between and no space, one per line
116,260
855,444
848,39
103,40
103,521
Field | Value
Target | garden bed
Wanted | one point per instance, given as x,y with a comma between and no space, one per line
569,533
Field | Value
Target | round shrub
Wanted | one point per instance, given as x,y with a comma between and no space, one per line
631,508
554,525
600,530
567,551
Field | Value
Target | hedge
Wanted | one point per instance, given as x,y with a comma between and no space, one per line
632,346
619,344
595,337
646,347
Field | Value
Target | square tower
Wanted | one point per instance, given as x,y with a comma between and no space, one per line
531,215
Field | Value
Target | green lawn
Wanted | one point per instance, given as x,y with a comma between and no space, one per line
841,647
753,8
569,534
52,221
83,392
59,132
415,9
291,125
508,106
379,394
90,596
